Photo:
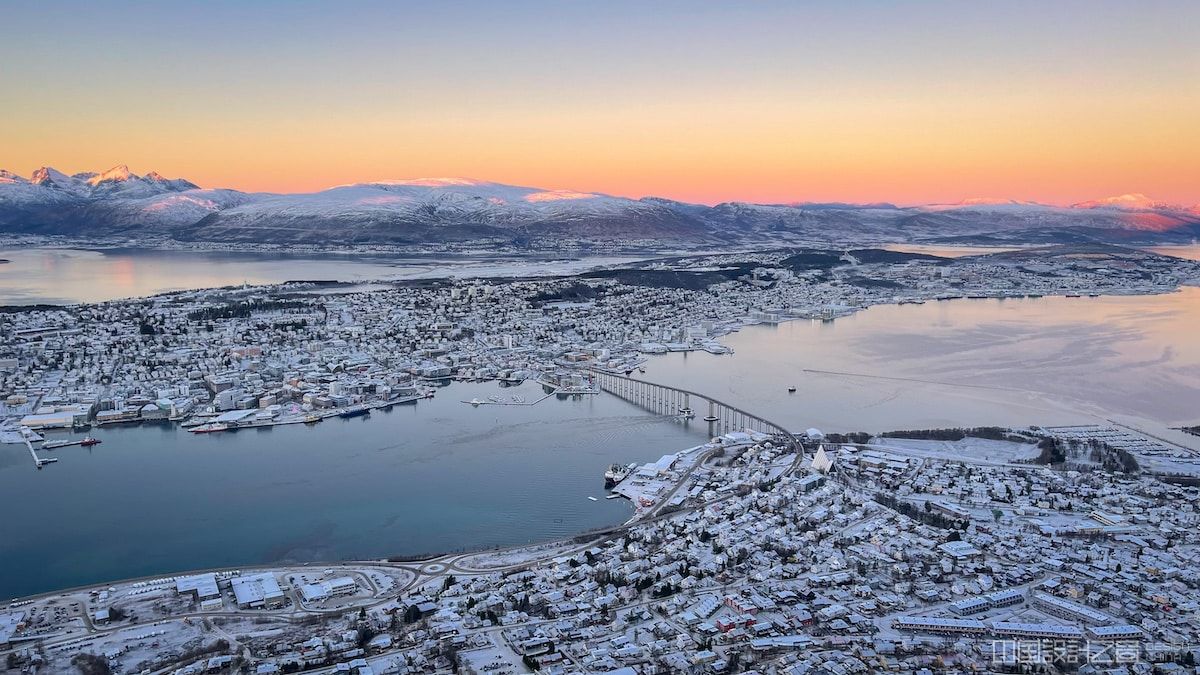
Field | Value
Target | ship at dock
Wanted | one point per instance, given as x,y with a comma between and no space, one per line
617,473
356,411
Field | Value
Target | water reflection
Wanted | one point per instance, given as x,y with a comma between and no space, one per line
65,276
965,362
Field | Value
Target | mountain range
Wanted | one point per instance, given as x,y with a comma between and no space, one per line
118,205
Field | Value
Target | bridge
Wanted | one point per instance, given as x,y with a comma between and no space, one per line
721,417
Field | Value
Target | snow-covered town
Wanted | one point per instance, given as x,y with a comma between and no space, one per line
299,352
949,553
761,550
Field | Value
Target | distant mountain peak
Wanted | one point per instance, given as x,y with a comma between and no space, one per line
48,175
117,174
454,181
1132,200
7,176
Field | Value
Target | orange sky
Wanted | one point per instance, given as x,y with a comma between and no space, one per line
768,102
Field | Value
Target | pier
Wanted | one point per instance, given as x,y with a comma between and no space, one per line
661,399
38,461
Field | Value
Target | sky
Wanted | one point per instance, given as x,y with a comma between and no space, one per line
907,102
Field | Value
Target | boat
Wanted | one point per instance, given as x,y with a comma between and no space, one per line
792,389
209,428
614,495
357,411
312,419
476,402
89,441
616,473
593,499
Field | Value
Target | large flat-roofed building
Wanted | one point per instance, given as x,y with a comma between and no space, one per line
1069,610
257,590
9,623
937,624
1115,633
200,586
1036,630
959,549
327,589
59,419
978,603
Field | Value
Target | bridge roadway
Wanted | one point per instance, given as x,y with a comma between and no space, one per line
667,400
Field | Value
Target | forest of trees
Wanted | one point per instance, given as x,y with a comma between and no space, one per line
958,433
240,310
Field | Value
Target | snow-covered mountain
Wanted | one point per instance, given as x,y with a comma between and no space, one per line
120,204
444,209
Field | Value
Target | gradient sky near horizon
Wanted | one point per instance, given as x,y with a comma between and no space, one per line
909,102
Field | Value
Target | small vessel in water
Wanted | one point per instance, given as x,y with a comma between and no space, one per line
616,473
792,389
356,411
312,418
476,402
593,499
89,441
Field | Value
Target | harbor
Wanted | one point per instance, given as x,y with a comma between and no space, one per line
340,488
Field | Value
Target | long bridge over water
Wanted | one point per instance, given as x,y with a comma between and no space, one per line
666,400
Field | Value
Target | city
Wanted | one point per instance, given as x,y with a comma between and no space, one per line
686,337
758,548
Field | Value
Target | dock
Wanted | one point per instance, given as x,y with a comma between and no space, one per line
54,445
38,461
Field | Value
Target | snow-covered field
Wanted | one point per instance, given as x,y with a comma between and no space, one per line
970,449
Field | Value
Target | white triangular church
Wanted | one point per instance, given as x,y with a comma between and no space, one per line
821,461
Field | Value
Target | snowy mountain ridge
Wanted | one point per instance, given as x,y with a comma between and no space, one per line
118,203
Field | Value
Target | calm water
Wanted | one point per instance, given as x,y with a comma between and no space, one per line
966,362
65,276
436,476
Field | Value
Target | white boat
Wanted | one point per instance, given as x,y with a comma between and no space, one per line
209,428
593,499
617,473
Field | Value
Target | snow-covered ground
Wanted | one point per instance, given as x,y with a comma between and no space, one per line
969,449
